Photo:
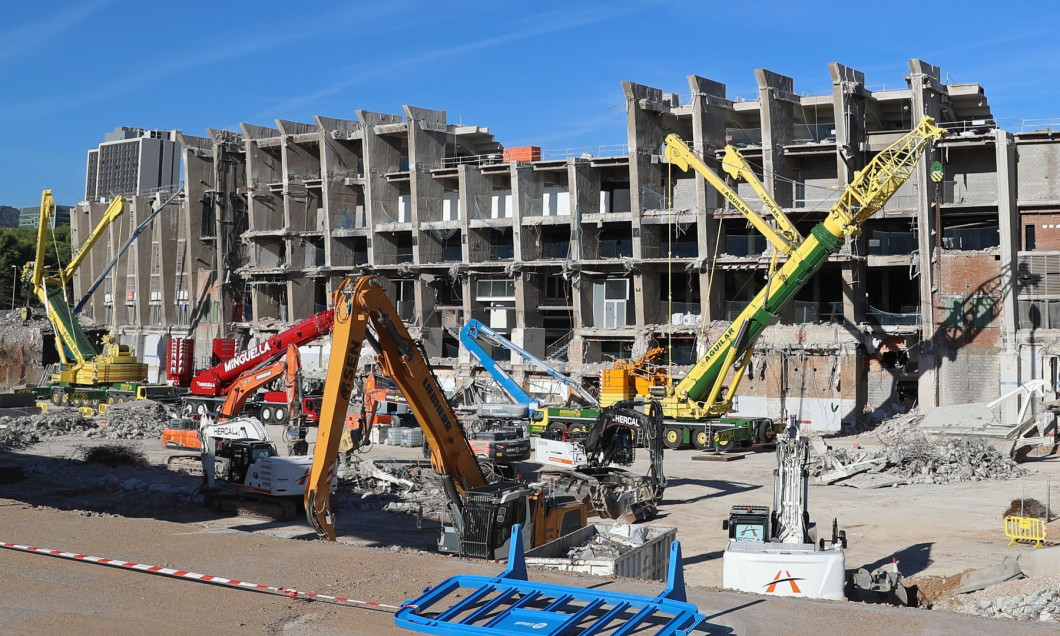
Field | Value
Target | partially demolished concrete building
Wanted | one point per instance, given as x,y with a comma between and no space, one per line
585,258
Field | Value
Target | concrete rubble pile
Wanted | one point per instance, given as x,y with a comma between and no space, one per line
409,487
621,539
21,432
1033,599
919,461
140,419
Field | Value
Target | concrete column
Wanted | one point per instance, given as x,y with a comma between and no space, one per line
300,211
585,199
427,139
166,242
848,97
926,86
1009,232
648,309
777,99
339,162
646,128
709,110
379,158
425,299
526,188
473,187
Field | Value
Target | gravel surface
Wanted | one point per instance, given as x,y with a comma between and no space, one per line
50,497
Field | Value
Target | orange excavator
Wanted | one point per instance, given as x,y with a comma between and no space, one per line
482,513
186,433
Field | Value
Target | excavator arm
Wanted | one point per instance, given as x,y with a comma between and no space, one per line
358,304
249,382
699,394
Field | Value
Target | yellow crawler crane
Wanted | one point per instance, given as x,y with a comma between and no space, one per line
81,365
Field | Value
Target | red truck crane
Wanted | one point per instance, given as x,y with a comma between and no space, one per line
208,388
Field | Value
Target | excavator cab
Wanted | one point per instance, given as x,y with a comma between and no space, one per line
241,454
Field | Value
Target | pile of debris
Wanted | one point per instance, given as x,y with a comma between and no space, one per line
401,486
1033,599
139,419
620,539
919,461
17,433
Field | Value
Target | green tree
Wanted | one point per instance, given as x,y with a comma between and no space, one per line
18,246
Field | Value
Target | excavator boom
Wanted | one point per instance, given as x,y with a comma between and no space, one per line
248,383
359,303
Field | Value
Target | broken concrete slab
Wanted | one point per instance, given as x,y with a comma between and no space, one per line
976,580
965,419
1040,562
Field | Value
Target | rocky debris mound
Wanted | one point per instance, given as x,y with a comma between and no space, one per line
402,486
138,419
1033,599
920,461
21,432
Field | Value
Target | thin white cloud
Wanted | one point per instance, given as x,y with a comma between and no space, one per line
532,26
28,38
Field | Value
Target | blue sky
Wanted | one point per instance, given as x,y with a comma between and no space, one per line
535,73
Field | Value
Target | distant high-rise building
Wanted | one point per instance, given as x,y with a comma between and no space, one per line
132,161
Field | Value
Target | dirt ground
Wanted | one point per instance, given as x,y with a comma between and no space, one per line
50,499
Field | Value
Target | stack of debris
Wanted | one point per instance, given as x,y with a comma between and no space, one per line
17,433
1030,599
408,487
620,539
139,419
918,461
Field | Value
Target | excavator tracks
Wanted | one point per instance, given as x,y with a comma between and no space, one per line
273,508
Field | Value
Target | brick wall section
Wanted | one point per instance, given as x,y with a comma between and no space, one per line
1046,231
969,277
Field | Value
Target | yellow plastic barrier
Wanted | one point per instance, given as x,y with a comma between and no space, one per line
1025,529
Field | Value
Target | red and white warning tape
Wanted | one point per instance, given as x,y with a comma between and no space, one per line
195,576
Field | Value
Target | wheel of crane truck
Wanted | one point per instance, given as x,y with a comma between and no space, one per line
120,399
724,442
553,431
57,398
266,414
701,438
110,399
279,415
672,437
66,399
766,433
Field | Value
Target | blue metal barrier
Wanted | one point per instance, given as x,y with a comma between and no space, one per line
511,604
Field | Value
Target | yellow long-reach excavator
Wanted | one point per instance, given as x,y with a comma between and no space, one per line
482,513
